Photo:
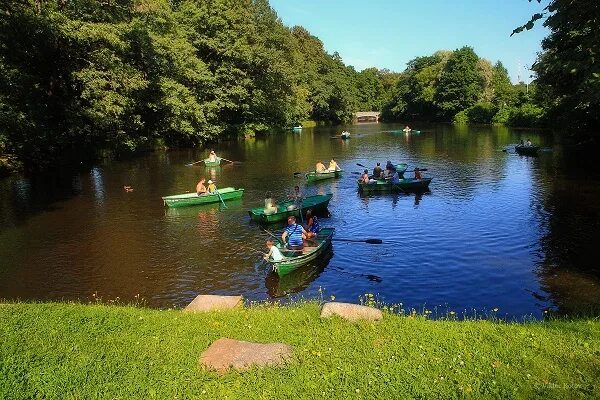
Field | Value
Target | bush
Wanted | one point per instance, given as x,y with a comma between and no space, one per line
461,118
501,117
526,116
481,113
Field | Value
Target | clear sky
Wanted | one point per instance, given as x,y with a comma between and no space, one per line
388,33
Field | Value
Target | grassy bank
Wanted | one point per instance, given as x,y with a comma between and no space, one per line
97,351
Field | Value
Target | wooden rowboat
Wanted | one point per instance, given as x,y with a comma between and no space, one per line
317,203
405,185
527,150
295,259
318,176
192,199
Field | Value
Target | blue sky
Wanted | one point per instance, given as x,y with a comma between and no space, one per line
388,33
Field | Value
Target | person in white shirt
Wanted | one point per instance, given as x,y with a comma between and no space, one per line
274,254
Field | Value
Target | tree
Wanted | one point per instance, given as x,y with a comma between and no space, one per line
460,85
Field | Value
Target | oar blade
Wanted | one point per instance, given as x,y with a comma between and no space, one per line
374,241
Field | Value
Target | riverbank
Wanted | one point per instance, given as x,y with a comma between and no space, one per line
59,350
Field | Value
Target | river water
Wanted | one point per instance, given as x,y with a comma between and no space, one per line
496,230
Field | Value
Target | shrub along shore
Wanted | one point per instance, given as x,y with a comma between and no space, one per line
66,350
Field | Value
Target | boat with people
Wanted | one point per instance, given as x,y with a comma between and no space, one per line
293,259
314,176
404,185
526,150
193,199
290,207
297,128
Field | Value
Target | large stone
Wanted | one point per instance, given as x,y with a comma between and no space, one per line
209,302
351,312
226,353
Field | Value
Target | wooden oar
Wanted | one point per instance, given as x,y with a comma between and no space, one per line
360,165
196,162
299,174
233,162
370,241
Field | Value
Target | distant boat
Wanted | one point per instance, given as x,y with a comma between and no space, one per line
345,135
297,128
525,150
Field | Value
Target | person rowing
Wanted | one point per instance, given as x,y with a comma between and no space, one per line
333,166
418,174
200,188
407,129
212,157
294,234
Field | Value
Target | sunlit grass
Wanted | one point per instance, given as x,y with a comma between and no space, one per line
107,351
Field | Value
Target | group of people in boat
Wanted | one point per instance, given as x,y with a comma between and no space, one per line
526,144
333,166
295,236
202,190
390,174
271,203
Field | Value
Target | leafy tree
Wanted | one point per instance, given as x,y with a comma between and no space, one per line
460,85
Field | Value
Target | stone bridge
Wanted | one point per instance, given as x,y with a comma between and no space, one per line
367,116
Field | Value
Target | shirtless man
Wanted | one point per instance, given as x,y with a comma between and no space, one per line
200,188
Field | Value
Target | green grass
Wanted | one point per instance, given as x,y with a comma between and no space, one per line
62,350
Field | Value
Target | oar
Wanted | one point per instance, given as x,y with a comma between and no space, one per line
233,162
196,162
370,241
220,198
299,174
360,165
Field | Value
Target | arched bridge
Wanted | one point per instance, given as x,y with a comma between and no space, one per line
367,116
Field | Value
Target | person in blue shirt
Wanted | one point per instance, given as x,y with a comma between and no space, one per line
294,234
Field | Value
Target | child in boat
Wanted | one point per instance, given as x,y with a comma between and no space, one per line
313,227
333,166
294,234
200,188
274,254
418,174
211,186
320,167
270,204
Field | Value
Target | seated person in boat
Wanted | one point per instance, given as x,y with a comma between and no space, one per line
418,174
333,166
320,167
313,227
200,188
394,178
377,171
270,204
364,178
294,234
274,254
211,187
406,129
212,157
528,143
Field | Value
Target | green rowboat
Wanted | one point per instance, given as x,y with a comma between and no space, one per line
405,185
313,248
209,163
318,202
192,199
318,176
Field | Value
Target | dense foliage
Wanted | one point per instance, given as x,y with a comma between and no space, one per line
78,76
461,87
568,70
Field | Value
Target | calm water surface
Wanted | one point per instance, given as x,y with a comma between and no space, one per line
497,230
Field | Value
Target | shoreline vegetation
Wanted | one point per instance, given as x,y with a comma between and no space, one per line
81,78
70,350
